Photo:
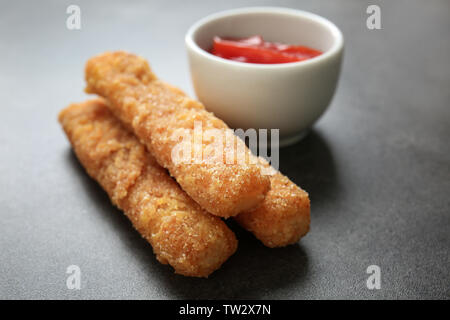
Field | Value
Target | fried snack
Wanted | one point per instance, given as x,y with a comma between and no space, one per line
155,111
182,234
284,215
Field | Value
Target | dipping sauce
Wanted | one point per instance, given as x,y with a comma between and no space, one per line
256,50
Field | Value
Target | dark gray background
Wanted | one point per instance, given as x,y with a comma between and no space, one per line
377,164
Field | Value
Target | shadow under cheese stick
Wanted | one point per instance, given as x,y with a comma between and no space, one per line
181,233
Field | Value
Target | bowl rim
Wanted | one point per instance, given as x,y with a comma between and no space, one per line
334,30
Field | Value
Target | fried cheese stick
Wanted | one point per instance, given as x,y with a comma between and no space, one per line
182,234
284,215
154,111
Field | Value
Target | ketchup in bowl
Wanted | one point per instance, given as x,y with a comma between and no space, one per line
256,50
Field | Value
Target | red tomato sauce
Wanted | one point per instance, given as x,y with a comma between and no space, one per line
256,50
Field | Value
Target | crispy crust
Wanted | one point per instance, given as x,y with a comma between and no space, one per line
182,234
283,217
154,111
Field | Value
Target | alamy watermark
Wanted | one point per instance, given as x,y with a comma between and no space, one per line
373,21
73,281
73,21
374,280
209,146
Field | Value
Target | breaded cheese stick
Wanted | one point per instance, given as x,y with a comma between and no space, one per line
154,111
284,215
182,234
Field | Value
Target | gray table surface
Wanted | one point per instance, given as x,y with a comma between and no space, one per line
377,164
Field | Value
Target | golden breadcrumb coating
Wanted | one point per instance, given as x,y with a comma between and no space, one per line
182,234
155,111
284,215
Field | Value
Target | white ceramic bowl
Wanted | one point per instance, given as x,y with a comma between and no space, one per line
289,96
